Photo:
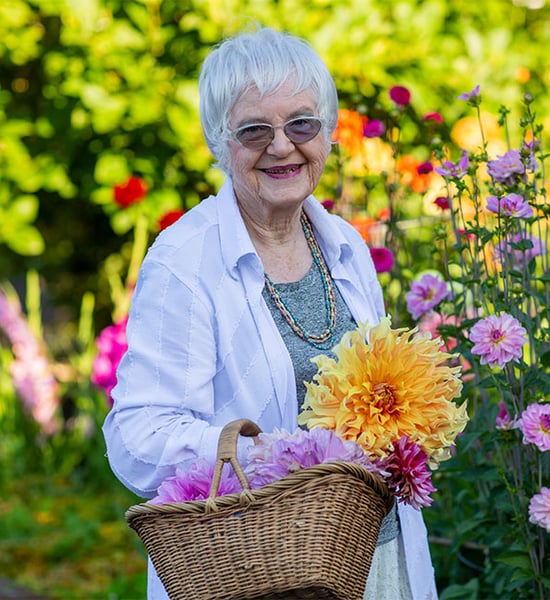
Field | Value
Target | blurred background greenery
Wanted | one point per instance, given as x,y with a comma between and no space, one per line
95,91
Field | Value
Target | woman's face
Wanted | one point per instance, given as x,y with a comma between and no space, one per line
279,177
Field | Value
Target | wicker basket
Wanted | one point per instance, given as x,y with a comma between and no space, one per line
309,535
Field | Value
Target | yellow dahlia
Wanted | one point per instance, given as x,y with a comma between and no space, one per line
398,383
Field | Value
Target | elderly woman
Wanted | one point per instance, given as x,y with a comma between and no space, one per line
235,298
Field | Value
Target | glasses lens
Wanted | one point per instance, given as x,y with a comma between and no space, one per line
255,136
303,129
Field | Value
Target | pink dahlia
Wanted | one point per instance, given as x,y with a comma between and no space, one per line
535,425
503,420
425,294
539,509
280,453
511,205
382,258
507,167
498,339
408,474
194,484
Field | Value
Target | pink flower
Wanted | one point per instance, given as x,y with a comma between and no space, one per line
511,205
424,168
408,473
443,202
539,509
507,167
425,295
373,128
433,116
328,204
498,339
383,259
535,425
112,345
400,95
503,422
194,484
452,170
280,453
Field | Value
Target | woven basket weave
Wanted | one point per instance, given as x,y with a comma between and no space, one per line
309,535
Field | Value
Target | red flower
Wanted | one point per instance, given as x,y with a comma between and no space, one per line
400,95
382,259
433,116
442,202
170,217
130,192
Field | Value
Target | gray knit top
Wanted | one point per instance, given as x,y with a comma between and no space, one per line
306,301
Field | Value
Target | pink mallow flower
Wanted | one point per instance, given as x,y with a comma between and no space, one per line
507,167
511,205
539,509
535,425
111,345
425,294
194,484
498,339
382,258
280,453
408,474
503,421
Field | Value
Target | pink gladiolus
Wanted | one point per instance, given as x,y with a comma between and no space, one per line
382,258
539,509
30,370
111,345
425,295
498,339
400,95
535,425
194,484
511,205
409,475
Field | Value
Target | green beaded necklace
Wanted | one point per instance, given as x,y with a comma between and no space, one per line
323,341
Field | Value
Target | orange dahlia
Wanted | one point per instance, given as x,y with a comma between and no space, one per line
385,384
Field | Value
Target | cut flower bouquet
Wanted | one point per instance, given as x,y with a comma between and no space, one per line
385,402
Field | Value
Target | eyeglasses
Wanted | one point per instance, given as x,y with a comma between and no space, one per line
257,136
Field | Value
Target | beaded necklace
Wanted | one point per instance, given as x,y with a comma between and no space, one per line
324,339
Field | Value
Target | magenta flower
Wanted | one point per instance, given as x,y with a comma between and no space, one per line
506,168
328,204
433,116
408,475
535,425
519,248
424,168
511,205
498,339
382,258
111,345
452,170
443,202
194,484
503,422
539,509
280,453
373,128
400,95
425,295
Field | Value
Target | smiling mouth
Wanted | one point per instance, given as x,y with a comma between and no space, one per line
282,170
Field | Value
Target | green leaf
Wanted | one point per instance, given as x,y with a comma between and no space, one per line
111,169
26,241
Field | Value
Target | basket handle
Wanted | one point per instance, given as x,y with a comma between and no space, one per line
227,452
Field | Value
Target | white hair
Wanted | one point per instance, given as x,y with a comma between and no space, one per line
267,60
